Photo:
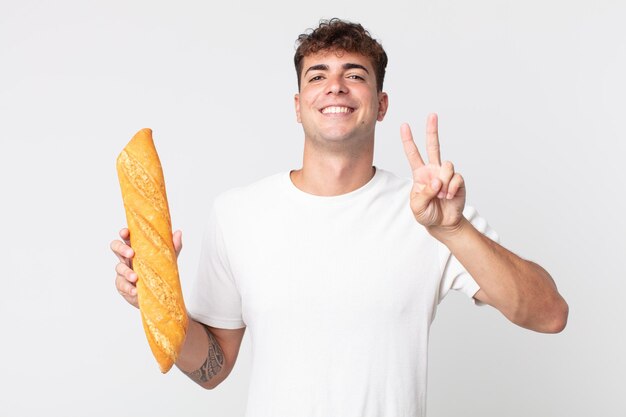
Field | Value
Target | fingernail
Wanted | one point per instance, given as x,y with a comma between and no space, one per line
441,195
449,196
435,184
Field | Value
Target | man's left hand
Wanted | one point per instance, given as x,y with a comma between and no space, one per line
438,194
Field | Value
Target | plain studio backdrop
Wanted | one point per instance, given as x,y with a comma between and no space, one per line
530,97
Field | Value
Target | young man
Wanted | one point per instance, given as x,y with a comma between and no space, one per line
336,269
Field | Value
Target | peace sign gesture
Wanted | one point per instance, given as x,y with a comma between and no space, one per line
438,194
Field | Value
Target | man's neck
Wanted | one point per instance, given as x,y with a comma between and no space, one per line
333,174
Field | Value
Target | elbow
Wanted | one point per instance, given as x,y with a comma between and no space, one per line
558,317
212,382
209,386
552,318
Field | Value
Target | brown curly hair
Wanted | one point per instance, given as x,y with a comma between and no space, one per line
340,35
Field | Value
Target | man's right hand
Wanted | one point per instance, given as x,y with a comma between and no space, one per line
208,354
126,278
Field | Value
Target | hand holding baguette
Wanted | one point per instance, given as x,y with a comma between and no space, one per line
126,278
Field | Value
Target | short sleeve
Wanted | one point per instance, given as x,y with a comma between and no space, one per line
454,275
215,299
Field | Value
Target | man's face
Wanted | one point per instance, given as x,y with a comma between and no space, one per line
338,100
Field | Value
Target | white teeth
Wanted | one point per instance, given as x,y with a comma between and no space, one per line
335,109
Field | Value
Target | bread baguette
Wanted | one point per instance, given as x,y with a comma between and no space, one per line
159,293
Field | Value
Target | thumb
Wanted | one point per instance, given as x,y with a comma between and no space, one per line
177,237
421,200
429,191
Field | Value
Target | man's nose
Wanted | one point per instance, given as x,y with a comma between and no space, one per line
337,85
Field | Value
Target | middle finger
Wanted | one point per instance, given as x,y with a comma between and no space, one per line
432,139
123,252
128,274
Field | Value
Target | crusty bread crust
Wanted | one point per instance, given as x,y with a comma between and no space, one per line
163,312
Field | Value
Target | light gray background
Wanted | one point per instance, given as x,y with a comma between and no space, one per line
531,98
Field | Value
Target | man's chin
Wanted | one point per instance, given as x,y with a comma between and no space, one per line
347,136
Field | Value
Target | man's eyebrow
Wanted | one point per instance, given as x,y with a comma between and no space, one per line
318,67
350,65
346,66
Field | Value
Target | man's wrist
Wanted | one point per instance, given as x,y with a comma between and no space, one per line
447,234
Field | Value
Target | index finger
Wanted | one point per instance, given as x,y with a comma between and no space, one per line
432,139
410,149
125,235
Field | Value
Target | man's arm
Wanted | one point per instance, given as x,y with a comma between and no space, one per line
523,291
208,354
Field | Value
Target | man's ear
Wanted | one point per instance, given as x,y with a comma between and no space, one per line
383,105
296,102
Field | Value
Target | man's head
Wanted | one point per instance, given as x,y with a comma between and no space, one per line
336,35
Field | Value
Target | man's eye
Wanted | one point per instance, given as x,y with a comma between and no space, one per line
316,78
355,77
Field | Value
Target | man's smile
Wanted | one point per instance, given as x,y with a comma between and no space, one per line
336,109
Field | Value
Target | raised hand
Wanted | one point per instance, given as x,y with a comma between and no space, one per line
438,194
126,278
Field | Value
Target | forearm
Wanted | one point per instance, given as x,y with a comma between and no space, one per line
202,358
523,291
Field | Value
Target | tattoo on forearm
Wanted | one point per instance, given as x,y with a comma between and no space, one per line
212,365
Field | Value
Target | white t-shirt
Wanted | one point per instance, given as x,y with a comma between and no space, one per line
337,293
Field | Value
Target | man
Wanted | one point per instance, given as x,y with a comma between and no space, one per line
336,269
